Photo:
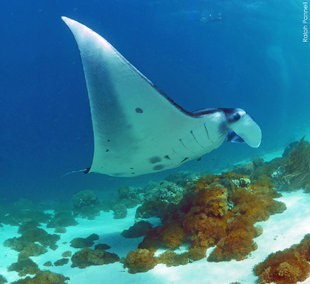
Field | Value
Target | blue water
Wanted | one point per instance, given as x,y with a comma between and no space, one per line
253,58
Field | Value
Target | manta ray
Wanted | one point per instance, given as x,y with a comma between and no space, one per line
137,128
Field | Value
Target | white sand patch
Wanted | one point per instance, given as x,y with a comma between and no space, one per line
8,255
280,232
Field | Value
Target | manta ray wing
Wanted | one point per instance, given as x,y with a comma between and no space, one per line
137,129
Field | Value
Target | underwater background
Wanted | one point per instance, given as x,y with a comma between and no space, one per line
203,54
232,217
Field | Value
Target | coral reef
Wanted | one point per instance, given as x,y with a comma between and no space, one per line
294,172
172,235
86,204
181,179
119,211
44,277
127,197
48,263
87,257
221,211
23,211
289,172
151,208
288,266
139,229
154,196
157,197
84,242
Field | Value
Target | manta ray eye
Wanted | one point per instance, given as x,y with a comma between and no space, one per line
234,117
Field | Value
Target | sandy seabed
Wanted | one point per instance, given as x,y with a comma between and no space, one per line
280,232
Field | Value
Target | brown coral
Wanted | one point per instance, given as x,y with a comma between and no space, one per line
170,258
220,211
140,260
287,266
87,257
45,277
223,213
24,266
172,235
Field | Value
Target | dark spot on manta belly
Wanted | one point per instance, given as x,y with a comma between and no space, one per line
155,160
139,110
184,159
107,150
158,167
167,157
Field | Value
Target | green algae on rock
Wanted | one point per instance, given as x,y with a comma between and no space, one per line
44,277
84,242
66,254
86,204
62,219
102,246
61,262
87,257
2,279
139,229
33,240
24,266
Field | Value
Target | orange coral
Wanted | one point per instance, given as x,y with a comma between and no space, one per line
287,266
212,220
221,211
237,244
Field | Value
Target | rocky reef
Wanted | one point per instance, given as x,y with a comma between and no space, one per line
288,266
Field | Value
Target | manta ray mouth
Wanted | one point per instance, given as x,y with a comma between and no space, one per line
137,128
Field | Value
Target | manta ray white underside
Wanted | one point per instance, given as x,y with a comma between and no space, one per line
139,130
